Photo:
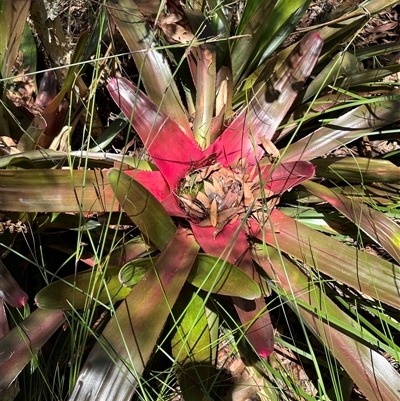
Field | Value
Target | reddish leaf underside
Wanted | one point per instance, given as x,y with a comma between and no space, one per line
270,103
10,290
284,176
231,244
171,149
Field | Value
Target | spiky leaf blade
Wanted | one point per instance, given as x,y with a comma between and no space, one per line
116,362
375,224
10,290
20,345
271,98
158,132
372,373
155,72
84,290
142,208
345,129
369,274
191,346
209,273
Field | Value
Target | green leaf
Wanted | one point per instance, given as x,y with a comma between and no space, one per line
375,224
255,25
132,249
366,77
218,276
274,29
359,361
209,273
83,290
13,17
20,345
56,191
31,136
152,64
344,63
191,346
357,169
28,48
135,270
142,208
345,129
109,133
72,74
44,158
369,274
114,366
205,94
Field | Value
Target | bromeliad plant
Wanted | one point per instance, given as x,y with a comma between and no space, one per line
222,196
220,189
207,208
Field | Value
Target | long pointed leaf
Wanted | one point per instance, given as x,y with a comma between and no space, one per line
345,129
55,191
205,95
155,72
380,228
10,291
366,273
113,367
142,208
283,20
231,245
215,275
62,191
284,176
357,169
173,152
13,17
373,374
253,24
82,291
272,99
191,346
19,346
209,273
